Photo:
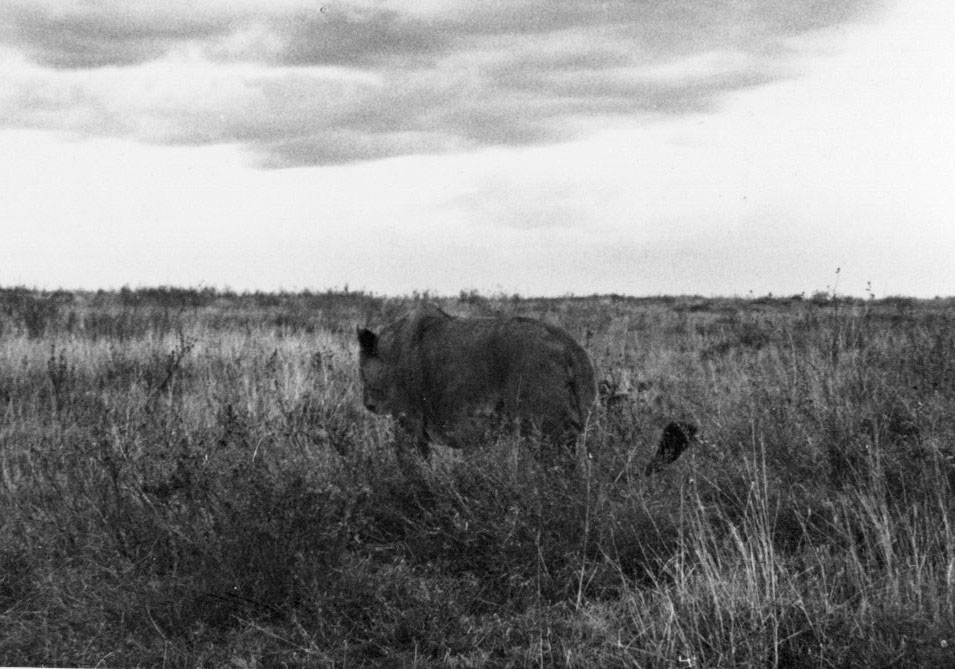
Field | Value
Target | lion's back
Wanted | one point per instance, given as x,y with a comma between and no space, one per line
466,372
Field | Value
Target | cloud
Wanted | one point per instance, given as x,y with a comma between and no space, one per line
67,36
301,83
361,37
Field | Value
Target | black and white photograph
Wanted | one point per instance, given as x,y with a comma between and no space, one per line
517,333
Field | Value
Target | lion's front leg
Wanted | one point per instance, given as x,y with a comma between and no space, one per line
411,436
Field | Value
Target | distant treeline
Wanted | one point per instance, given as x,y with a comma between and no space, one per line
129,312
179,297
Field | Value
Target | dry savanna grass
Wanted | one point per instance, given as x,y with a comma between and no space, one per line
188,478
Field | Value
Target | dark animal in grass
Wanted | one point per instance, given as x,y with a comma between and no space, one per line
453,381
677,437
450,380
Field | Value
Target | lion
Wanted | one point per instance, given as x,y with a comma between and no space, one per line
451,380
454,381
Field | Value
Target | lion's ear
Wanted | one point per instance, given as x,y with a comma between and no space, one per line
368,341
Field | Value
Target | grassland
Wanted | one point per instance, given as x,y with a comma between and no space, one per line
188,479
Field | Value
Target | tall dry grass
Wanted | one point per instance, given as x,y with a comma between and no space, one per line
188,479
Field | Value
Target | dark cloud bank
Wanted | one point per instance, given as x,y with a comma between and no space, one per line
482,75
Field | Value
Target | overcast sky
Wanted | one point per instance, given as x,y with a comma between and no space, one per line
714,147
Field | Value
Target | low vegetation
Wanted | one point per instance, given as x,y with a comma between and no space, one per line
188,478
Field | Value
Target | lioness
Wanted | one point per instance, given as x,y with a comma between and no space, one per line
450,380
